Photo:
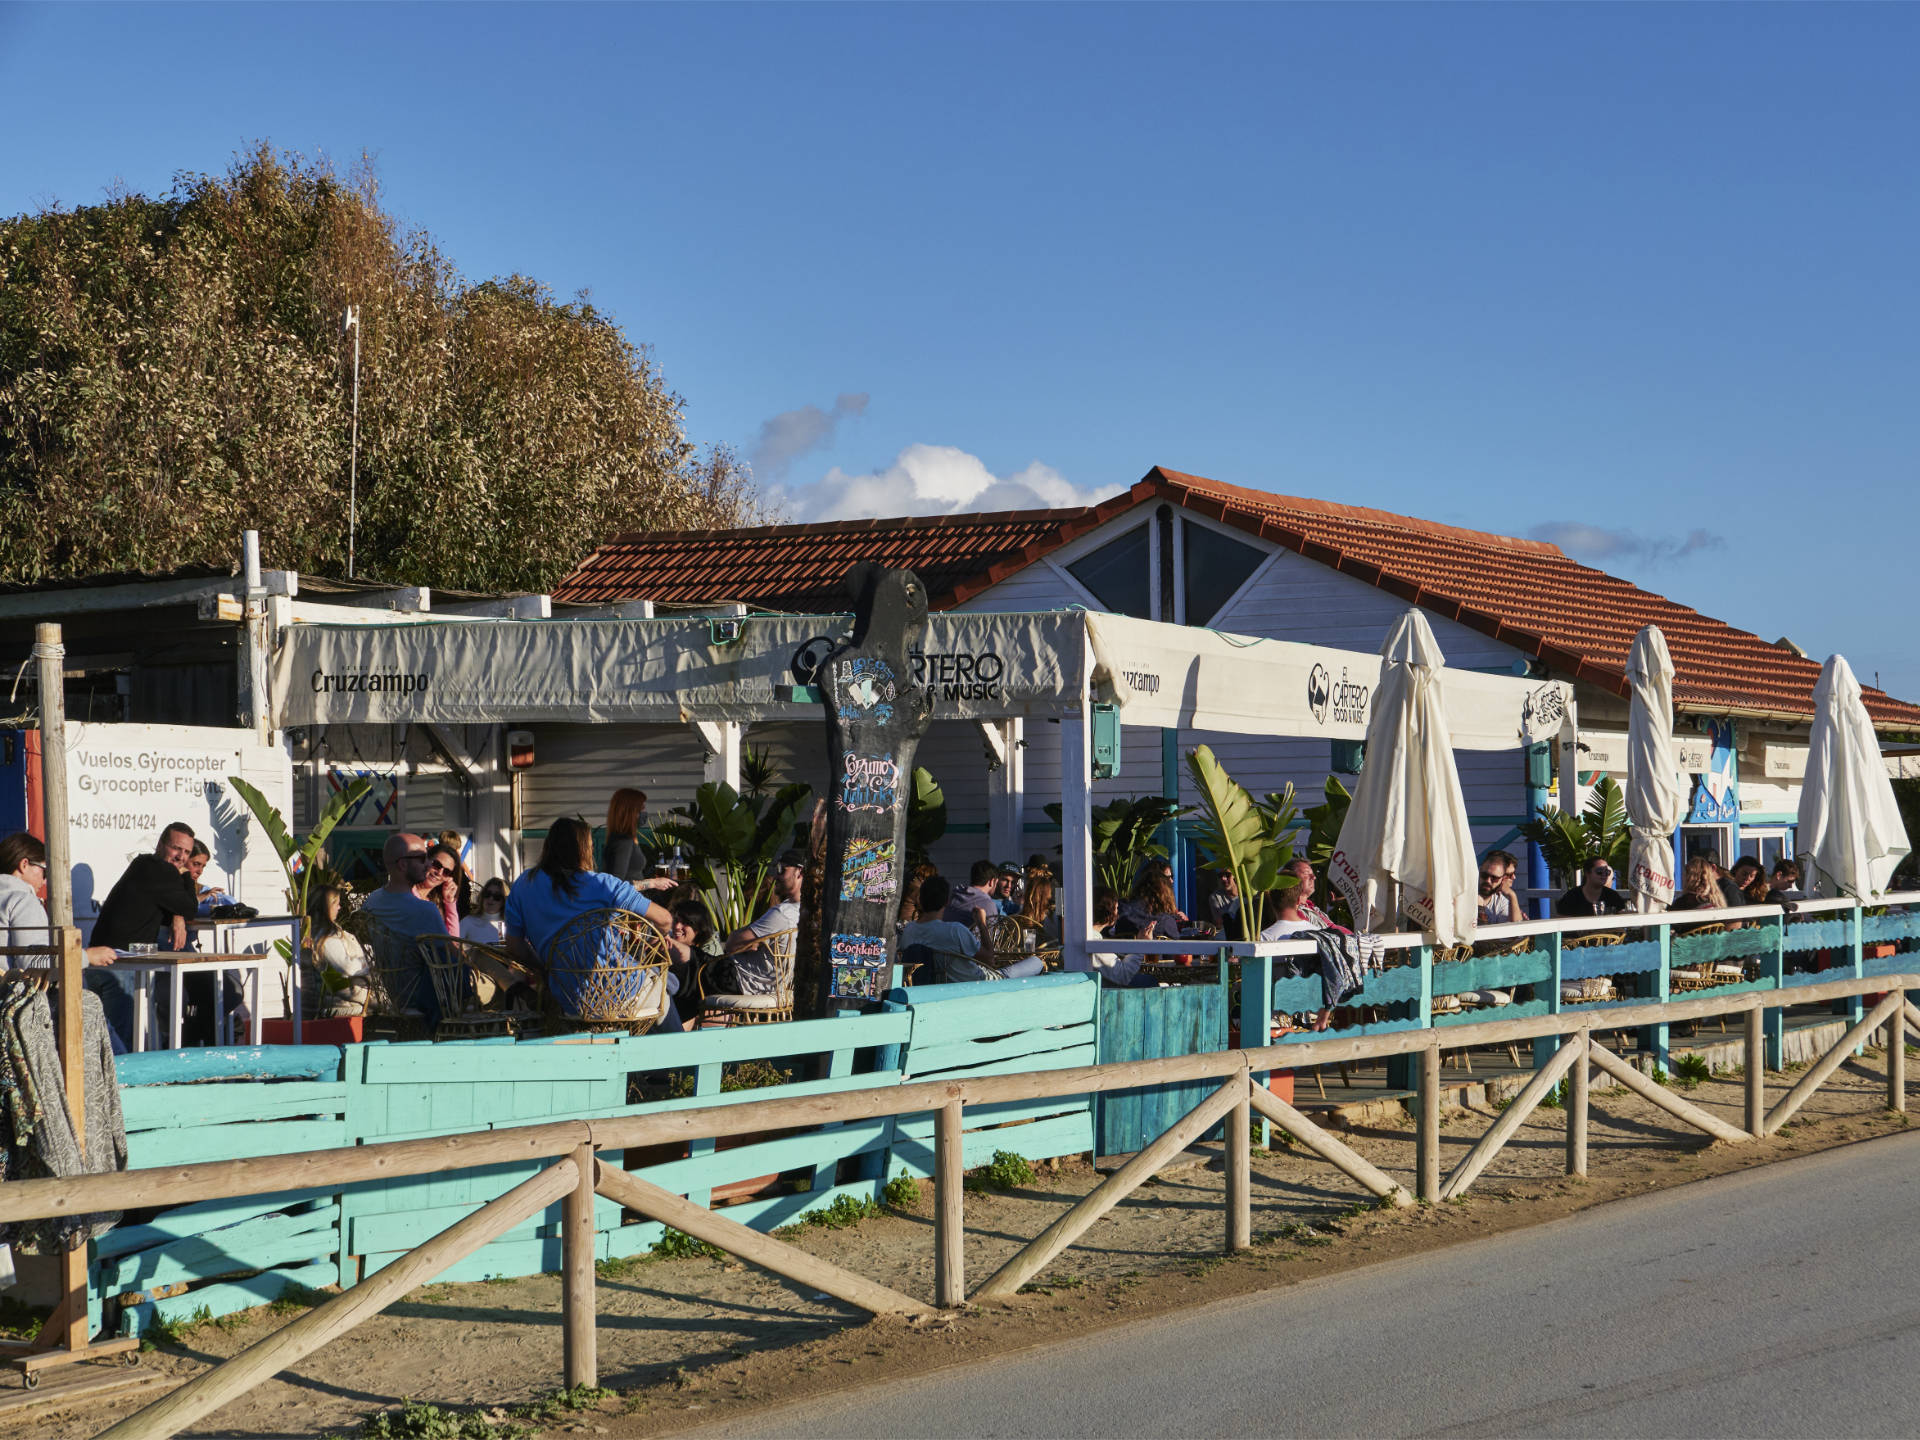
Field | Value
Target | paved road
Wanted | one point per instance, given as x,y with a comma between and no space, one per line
1782,1301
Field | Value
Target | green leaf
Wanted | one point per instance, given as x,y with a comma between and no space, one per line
271,824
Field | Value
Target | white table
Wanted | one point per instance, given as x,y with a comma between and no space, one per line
176,966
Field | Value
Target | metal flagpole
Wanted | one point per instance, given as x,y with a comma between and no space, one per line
353,457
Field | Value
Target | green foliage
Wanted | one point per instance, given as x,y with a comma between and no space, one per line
1323,833
845,1212
901,1193
1124,837
1006,1171
302,862
1690,1069
1659,1076
735,1075
554,1403
733,839
1599,833
173,369
416,1420
926,815
1252,841
676,1245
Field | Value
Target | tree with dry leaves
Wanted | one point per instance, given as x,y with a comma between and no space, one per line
174,371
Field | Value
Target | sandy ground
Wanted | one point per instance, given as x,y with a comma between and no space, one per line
686,1341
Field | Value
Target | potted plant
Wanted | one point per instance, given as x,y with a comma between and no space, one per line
733,839
1599,832
1125,836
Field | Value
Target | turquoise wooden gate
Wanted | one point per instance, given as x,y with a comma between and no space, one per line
1152,1025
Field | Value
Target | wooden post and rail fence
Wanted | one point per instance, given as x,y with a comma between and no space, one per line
576,1174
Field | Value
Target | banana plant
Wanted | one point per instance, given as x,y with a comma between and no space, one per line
1600,832
926,815
1240,836
733,839
299,861
1124,837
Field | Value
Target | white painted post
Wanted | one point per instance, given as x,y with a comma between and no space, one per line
722,739
1006,792
1076,830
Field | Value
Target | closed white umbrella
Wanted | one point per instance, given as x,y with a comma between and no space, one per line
1851,837
1656,795
1406,844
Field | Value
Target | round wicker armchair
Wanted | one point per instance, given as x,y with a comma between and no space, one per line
758,1009
607,970
451,963
399,992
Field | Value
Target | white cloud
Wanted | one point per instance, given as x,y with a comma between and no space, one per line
1598,544
936,480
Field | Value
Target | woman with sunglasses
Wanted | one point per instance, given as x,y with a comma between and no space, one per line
23,910
488,926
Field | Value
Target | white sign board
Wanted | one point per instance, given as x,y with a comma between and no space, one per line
125,783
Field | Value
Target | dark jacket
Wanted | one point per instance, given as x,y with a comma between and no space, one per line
141,903
1575,903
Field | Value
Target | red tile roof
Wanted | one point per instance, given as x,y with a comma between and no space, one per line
1579,621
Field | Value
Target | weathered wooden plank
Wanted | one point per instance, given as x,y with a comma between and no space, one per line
1293,994
1728,945
267,1062
1492,972
1898,925
164,1107
403,1229
1011,1112
1631,958
1042,1140
1390,987
198,1219
228,1297
265,1244
968,1055
1018,1010
1805,935
856,1137
1515,1011
151,1149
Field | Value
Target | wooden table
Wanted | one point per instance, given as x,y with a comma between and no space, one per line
176,966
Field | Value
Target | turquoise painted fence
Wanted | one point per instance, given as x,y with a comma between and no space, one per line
1151,1024
185,1106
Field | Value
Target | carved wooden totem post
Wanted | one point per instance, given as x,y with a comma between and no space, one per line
875,718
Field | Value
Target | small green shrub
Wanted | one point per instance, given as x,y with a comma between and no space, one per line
416,1420
845,1212
674,1245
902,1192
1689,1070
1007,1171
1659,1076
297,1298
549,1406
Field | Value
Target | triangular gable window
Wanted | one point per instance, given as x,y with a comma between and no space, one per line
1216,567
1117,574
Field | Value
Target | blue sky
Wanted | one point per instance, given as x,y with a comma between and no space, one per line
1636,277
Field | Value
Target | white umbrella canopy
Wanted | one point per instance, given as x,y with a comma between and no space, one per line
1406,846
1851,837
1656,794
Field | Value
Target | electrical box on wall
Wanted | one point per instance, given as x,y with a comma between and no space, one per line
1106,741
1539,766
519,749
1349,757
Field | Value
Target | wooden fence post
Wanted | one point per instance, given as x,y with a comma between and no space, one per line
1240,1175
580,1343
1427,1136
1577,1107
1897,1056
949,1209
1757,1071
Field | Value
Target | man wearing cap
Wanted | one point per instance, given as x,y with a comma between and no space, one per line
753,965
1007,888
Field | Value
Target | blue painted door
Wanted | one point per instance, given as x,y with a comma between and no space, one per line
1151,1025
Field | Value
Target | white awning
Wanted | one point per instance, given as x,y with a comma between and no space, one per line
1175,676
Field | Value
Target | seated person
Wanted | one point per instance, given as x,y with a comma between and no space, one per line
945,940
1122,972
402,916
565,885
1786,882
1302,870
1007,887
747,966
1154,904
1289,914
1699,886
1499,903
210,895
336,986
1224,904
150,904
975,903
692,941
1594,895
1750,880
1037,910
488,925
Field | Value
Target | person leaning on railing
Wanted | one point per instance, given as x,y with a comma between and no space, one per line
23,911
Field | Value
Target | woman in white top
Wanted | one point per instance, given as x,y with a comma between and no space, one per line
23,911
1290,920
488,926
339,960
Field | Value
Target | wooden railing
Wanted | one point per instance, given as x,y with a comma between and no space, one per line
576,1174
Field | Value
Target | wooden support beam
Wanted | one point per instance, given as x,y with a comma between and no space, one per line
1329,1149
1756,1067
1577,1109
1239,1174
1427,1136
580,1342
753,1247
259,1362
1491,1143
1038,1253
1897,1062
949,1212
1665,1098
1818,1072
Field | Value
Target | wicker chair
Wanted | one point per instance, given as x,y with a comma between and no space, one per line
397,984
607,971
1007,938
758,1009
450,964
